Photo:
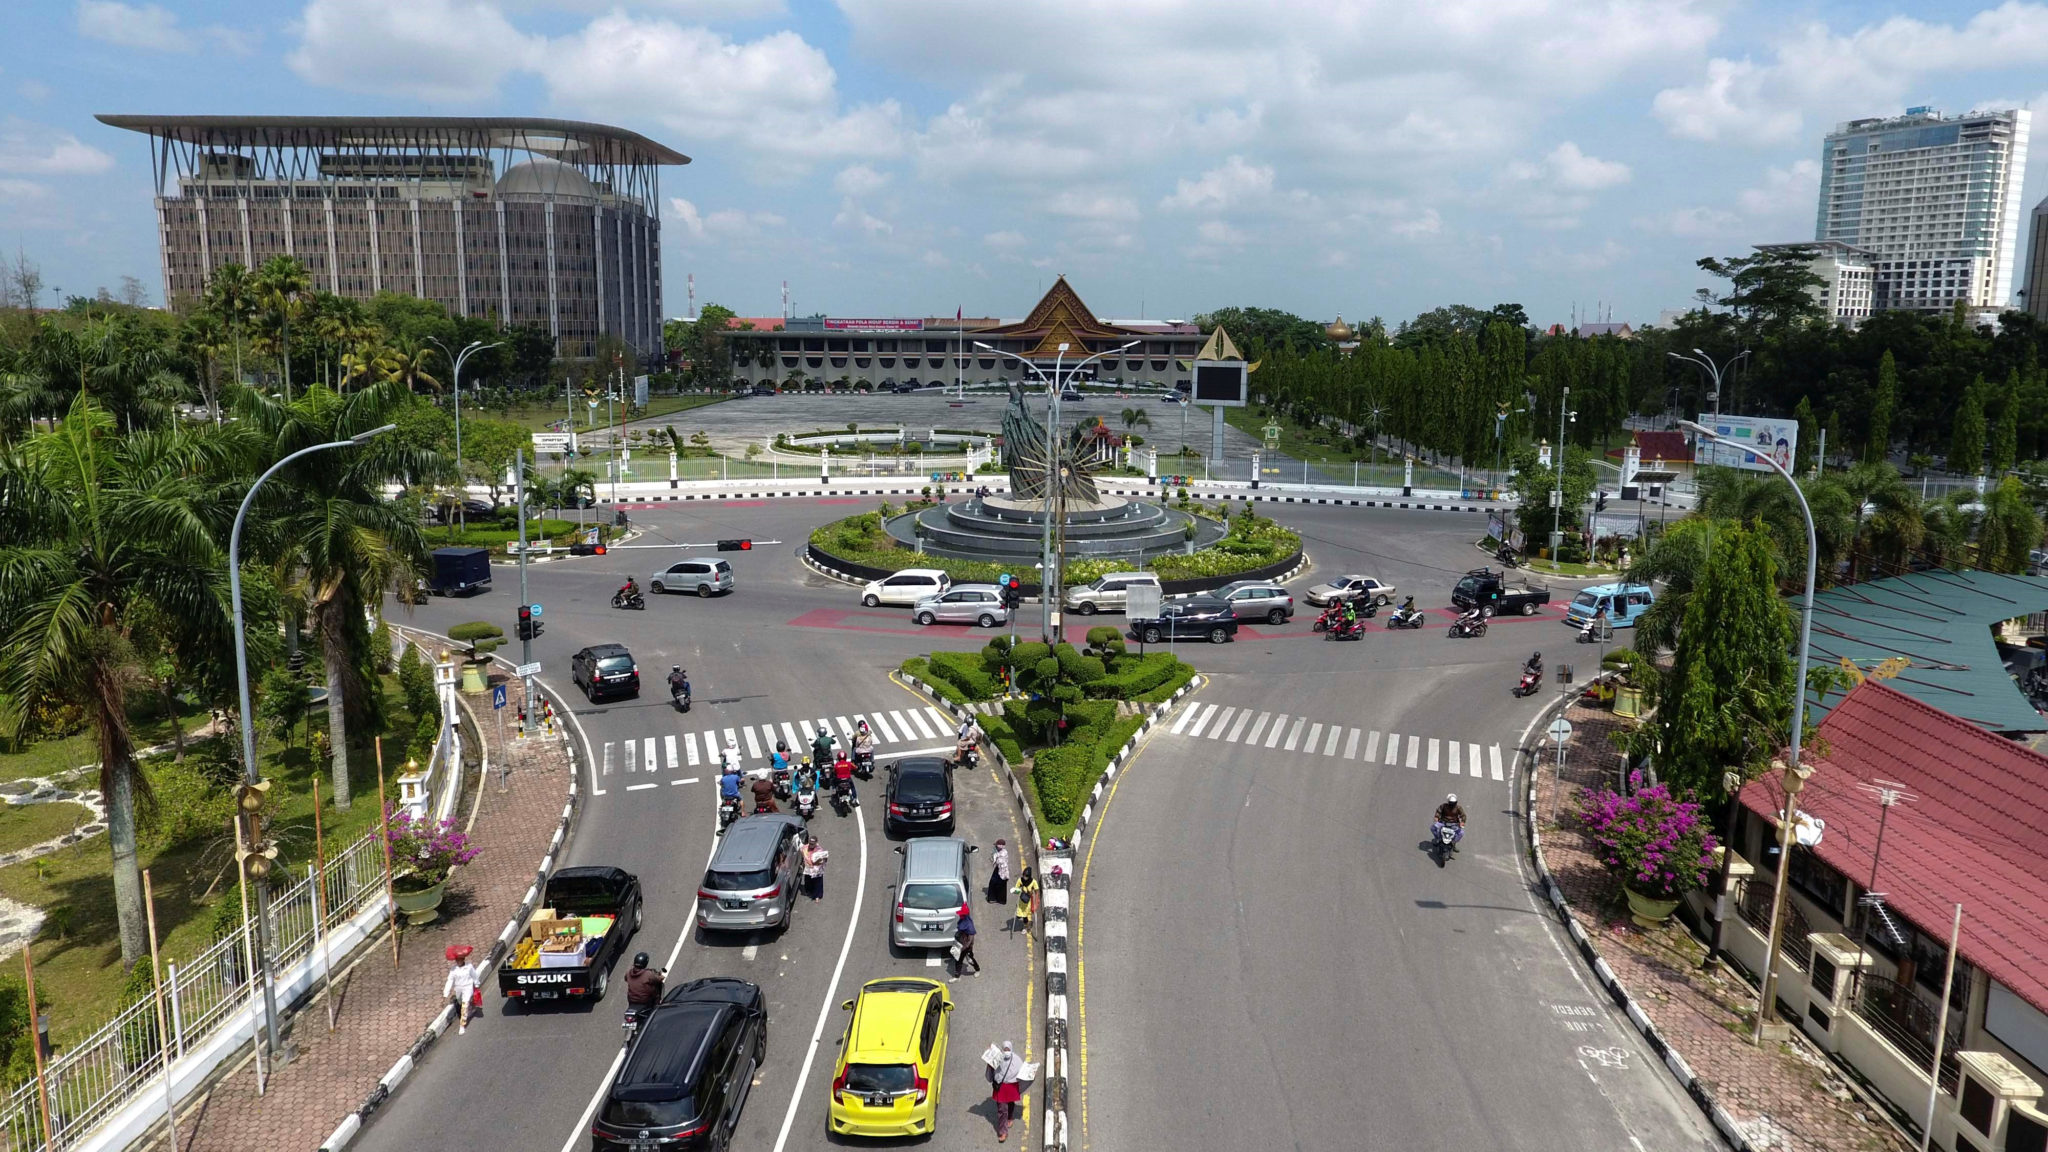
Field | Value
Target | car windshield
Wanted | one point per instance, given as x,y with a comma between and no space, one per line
615,664
921,787
1469,584
889,1078
1584,600
580,889
739,881
649,1113
932,897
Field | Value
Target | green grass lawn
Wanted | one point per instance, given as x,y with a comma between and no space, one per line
78,953
538,418
26,824
49,757
495,537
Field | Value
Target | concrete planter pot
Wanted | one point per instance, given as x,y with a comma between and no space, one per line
1646,911
473,679
422,906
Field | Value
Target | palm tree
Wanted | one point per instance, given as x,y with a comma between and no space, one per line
1134,418
230,294
204,338
1887,515
281,286
100,530
408,362
336,541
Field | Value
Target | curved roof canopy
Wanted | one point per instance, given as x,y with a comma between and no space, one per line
571,140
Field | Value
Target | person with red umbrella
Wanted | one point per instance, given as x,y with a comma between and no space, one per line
463,986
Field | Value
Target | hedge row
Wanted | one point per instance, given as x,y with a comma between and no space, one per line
967,672
1164,690
1064,776
919,667
1135,676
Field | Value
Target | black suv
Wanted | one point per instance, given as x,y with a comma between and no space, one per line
1194,618
687,1075
920,796
605,670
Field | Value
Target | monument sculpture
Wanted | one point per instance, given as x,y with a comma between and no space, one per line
1036,470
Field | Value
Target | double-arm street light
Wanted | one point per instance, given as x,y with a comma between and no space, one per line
250,775
1795,774
1048,567
1557,485
1714,371
455,360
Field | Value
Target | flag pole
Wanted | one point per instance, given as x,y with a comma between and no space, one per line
163,1034
28,963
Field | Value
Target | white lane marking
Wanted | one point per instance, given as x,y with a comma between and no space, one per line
1207,716
1473,762
750,951
1239,726
1414,749
1256,728
1454,756
1294,733
639,787
631,761
684,780
1432,753
1330,741
753,746
768,736
732,738
1279,729
1216,733
690,747
933,960
924,727
881,721
668,745
647,761
1351,745
1494,756
845,728
934,750
1393,748
796,742
803,1074
1309,744
944,721
903,722
1190,713
607,757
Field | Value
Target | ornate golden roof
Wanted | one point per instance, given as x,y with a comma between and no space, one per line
1061,318
1339,330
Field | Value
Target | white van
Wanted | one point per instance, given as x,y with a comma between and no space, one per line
1107,593
906,587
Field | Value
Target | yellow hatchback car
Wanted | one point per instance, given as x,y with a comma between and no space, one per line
891,1059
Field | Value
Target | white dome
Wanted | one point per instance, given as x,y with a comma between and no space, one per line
538,178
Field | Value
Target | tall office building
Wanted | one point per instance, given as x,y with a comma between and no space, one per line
548,222
2035,300
1935,199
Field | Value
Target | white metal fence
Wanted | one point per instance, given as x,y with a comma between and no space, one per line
105,1070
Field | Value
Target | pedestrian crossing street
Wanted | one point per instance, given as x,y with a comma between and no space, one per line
1280,732
686,757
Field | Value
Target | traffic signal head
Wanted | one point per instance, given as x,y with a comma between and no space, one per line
735,545
529,626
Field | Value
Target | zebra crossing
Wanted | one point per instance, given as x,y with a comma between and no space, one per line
641,763
1282,732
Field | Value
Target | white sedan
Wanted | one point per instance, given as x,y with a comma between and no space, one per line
1364,589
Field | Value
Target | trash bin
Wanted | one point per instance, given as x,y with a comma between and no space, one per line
1564,673
618,519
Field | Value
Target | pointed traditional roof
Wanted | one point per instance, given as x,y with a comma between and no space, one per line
1219,347
1061,318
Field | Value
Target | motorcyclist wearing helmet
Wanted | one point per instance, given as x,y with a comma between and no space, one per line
629,590
1350,612
821,748
1449,813
678,681
842,777
643,984
1535,663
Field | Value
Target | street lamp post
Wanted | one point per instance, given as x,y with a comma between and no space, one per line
1714,372
1557,487
1048,564
1795,773
461,509
249,772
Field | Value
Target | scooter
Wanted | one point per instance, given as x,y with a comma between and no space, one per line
1354,630
624,599
679,694
807,793
968,756
780,779
1468,626
842,797
1590,634
728,811
631,1024
864,764
1331,615
1532,679
1402,618
1443,842
1506,557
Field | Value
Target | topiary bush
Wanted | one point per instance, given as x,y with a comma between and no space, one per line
967,672
482,637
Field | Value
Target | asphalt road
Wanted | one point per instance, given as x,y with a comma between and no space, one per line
1267,955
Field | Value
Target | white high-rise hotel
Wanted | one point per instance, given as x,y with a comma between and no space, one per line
1934,200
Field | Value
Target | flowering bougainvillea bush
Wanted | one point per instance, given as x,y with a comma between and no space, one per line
1661,845
424,852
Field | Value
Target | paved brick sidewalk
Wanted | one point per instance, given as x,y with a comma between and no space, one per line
1781,1097
383,1010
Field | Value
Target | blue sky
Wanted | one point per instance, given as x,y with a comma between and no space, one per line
888,157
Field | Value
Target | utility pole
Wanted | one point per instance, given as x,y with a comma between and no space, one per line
1557,488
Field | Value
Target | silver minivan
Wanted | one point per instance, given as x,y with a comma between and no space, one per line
754,875
930,891
1107,593
964,604
704,577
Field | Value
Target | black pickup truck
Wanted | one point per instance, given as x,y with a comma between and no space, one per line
585,920
1490,588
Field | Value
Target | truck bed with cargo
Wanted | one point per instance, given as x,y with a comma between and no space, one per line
1492,589
585,921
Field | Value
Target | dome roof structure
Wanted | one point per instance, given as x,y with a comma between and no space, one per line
1338,330
539,178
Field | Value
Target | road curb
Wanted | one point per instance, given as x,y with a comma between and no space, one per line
1673,1062
352,1124
1055,871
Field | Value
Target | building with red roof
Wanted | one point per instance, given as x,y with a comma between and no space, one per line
1969,826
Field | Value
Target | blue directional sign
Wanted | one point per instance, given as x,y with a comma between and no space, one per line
497,696
536,609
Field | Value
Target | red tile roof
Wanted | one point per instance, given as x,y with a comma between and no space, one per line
1976,833
1665,446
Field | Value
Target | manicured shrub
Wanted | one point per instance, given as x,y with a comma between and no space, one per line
965,671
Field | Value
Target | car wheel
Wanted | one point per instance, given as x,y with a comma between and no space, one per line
704,591
1151,635
925,617
1087,608
1529,609
638,914
871,600
1218,635
761,1044
986,620
655,587
1277,616
604,981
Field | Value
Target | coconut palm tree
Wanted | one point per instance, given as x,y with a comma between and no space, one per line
335,541
280,288
231,294
408,361
98,530
204,339
1134,419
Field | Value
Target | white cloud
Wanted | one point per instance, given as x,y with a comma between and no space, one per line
29,149
1692,222
33,91
1223,188
1092,205
17,192
852,215
1574,169
1785,192
860,180
409,48
933,258
152,28
1005,241
1815,76
1219,233
723,226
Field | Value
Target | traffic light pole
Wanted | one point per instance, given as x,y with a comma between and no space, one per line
525,641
